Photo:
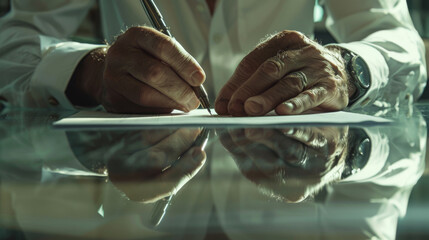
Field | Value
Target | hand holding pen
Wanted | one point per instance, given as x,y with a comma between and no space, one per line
143,71
158,23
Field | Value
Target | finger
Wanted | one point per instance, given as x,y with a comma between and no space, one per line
286,149
307,100
168,50
117,103
241,158
288,87
150,162
265,77
173,146
314,137
161,77
298,156
184,170
150,137
286,40
167,183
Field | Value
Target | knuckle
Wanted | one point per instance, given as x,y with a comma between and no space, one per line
296,36
330,84
184,62
326,66
294,84
273,67
313,50
312,96
164,45
133,31
246,65
155,73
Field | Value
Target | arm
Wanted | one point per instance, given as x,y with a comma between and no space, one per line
382,33
36,61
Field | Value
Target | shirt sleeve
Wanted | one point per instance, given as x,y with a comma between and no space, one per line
382,33
36,59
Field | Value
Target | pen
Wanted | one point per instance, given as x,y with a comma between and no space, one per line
157,21
161,206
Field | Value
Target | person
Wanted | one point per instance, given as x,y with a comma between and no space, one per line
379,59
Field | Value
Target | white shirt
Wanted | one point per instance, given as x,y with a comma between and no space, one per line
37,61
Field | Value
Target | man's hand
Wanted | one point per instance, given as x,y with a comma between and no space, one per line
144,71
156,166
289,163
288,73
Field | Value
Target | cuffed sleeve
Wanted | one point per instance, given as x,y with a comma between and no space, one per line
36,59
382,33
52,75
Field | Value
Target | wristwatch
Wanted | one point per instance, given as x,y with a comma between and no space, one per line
359,150
358,72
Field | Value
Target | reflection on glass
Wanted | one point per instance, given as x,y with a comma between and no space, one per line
270,183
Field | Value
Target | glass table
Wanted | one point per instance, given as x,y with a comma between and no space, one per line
283,182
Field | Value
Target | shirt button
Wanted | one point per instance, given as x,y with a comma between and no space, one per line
53,101
217,38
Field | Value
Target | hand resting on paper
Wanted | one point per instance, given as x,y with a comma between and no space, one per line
290,164
288,73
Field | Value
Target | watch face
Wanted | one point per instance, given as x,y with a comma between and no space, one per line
362,72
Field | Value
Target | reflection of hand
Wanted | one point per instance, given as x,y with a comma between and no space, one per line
144,71
151,170
290,163
290,74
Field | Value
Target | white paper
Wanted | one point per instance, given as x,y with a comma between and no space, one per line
201,117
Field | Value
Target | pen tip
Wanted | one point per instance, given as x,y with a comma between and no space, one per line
208,109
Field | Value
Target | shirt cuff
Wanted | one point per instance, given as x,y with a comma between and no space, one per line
377,67
53,73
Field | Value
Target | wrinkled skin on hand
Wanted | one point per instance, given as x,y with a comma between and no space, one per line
290,164
265,79
153,164
143,71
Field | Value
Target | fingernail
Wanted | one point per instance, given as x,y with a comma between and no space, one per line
289,106
290,131
254,107
197,78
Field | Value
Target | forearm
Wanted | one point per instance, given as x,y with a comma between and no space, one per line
384,36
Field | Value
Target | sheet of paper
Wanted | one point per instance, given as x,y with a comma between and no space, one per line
200,117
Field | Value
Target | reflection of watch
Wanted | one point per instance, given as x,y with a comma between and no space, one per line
358,72
359,151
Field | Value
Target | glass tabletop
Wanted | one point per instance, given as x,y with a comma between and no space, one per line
283,182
